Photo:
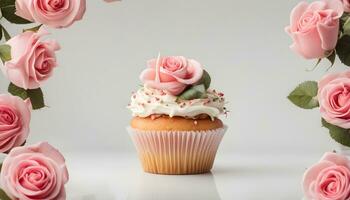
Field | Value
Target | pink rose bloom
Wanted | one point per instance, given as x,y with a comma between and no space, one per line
346,4
34,172
314,27
14,122
173,74
55,13
334,98
329,179
32,60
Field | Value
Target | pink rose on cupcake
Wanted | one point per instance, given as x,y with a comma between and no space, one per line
34,172
173,74
346,4
329,179
334,98
32,60
14,122
55,13
314,27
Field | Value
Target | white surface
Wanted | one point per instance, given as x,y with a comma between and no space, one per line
242,177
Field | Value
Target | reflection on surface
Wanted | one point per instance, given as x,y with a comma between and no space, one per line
159,187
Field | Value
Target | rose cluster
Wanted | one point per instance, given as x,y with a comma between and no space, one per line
36,171
322,29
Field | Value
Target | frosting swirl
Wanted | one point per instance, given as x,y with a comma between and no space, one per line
148,101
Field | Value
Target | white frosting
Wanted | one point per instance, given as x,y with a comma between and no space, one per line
148,101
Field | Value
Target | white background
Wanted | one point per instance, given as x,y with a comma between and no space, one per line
241,43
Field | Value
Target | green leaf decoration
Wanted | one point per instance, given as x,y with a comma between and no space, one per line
34,29
343,49
6,34
35,95
304,96
346,27
3,195
331,58
1,32
194,92
339,134
37,98
5,52
205,80
6,3
8,9
17,91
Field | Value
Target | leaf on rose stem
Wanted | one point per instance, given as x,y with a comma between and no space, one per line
6,3
346,27
331,58
8,9
3,195
34,29
35,95
343,49
205,80
339,134
5,52
6,34
17,91
314,67
37,98
194,92
1,32
304,95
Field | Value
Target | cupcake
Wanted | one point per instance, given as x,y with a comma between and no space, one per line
175,125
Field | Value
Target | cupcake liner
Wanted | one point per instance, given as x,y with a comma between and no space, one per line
177,152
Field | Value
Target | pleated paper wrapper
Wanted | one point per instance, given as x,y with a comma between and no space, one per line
177,152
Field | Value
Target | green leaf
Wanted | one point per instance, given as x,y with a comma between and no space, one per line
1,32
346,27
6,3
5,52
35,95
304,96
3,195
8,9
205,80
194,92
331,58
34,29
6,34
17,91
339,134
343,49
37,98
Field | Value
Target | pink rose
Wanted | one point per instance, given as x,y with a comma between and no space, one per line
32,60
34,172
334,98
314,27
14,122
329,179
53,13
346,4
174,74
